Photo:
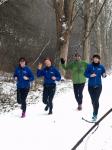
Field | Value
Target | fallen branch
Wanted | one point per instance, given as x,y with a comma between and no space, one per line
97,123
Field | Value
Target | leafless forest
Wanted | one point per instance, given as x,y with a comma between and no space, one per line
56,28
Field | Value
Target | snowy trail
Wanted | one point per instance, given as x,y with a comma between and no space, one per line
60,131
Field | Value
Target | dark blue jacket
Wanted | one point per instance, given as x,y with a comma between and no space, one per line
20,73
98,70
48,73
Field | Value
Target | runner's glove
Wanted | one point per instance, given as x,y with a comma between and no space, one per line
62,61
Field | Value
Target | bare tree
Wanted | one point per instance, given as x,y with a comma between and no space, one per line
88,12
106,28
65,12
89,7
98,29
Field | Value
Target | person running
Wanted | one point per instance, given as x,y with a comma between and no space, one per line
23,76
51,75
94,72
77,67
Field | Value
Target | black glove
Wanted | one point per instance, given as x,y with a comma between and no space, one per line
62,61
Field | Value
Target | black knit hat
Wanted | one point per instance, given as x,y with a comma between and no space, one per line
48,58
22,59
96,56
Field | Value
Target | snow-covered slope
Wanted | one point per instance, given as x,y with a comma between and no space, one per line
62,130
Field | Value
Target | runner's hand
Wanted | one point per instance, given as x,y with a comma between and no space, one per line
39,66
25,78
15,78
53,78
93,75
104,75
62,61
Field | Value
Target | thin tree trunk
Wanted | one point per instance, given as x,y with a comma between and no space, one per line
87,26
98,31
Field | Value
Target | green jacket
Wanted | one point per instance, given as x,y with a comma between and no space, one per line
77,69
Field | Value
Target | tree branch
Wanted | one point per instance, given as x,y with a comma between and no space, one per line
73,18
41,52
3,1
96,19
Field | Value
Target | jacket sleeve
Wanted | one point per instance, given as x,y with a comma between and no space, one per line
30,75
87,72
103,71
86,64
67,66
15,73
40,72
57,75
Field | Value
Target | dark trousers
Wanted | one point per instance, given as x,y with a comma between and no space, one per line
48,94
78,91
21,98
95,94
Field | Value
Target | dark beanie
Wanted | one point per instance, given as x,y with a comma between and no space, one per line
22,59
96,56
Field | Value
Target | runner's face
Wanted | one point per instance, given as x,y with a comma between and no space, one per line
96,60
22,64
77,58
47,63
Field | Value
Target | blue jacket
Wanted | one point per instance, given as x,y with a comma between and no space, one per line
20,73
48,73
98,70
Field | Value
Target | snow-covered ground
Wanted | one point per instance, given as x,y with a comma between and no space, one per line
62,130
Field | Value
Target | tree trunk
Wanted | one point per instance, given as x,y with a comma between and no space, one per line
87,26
98,31
64,10
104,36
